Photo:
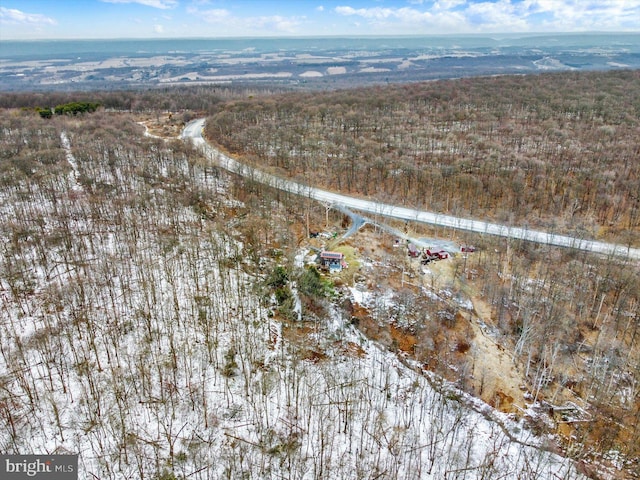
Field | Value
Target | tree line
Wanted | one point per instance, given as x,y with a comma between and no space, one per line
195,99
71,108
555,151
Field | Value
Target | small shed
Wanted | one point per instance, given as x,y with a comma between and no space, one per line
334,261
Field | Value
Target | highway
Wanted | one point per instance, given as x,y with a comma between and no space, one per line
193,132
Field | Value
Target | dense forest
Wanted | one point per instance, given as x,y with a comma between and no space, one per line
184,99
558,151
158,317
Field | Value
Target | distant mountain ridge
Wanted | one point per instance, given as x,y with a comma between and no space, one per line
320,62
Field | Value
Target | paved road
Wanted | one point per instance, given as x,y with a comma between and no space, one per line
193,131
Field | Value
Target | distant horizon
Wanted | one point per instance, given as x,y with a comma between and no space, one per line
173,19
322,61
489,35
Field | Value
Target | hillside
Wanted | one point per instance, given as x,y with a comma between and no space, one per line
555,151
559,326
163,317
141,329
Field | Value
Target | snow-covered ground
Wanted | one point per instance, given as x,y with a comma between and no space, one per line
75,173
131,334
220,394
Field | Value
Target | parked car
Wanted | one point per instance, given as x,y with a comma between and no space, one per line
430,255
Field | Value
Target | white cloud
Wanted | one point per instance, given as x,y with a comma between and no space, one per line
448,4
13,16
372,13
320,8
400,20
274,22
162,4
497,16
585,15
214,15
158,29
439,4
464,16
248,25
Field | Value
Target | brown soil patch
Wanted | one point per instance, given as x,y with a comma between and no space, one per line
313,356
490,373
496,379
298,332
404,341
165,125
351,349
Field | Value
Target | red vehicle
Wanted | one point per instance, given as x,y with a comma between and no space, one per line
430,255
468,249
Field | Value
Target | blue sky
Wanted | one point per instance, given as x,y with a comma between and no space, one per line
56,19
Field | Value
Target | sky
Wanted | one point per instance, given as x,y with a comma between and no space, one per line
75,19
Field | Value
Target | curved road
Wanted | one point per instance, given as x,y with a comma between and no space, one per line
193,131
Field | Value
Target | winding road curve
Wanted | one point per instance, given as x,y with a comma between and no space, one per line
193,132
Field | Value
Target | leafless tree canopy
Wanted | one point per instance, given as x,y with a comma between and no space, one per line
156,319
557,151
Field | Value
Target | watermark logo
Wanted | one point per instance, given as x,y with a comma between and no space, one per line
44,467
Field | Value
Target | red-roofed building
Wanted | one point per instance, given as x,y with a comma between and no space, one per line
334,261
